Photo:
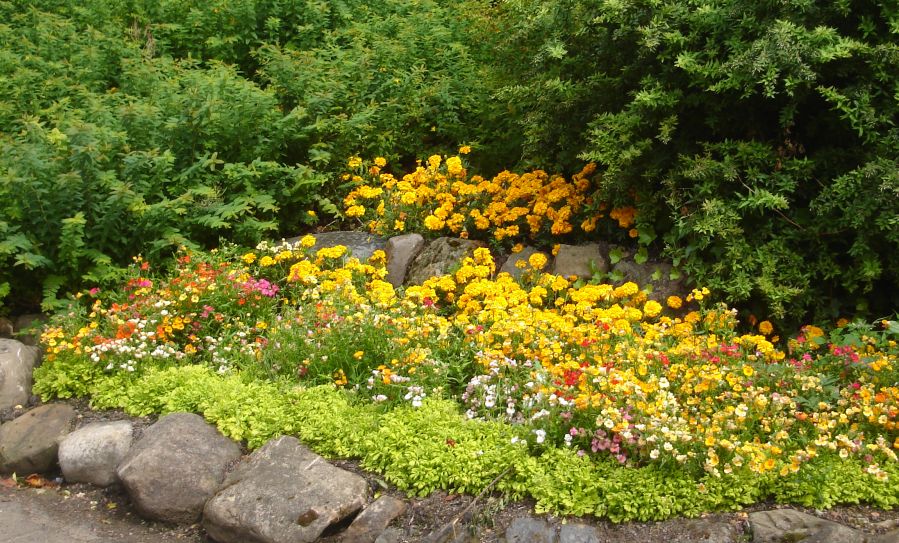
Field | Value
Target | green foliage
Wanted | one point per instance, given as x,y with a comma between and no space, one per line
433,447
143,126
758,139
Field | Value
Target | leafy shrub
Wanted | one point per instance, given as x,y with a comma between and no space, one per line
759,138
142,126
108,151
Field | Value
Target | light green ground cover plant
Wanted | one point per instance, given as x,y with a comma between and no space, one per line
613,406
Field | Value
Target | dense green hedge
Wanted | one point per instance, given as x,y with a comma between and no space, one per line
759,137
137,126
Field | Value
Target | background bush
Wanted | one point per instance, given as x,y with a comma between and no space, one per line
136,126
758,137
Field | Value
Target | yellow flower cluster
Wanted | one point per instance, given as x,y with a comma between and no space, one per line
440,197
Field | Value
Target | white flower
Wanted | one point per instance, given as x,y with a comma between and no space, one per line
654,454
541,435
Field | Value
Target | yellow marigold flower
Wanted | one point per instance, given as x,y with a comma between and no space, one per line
358,355
249,258
266,261
454,166
307,241
537,261
434,161
748,370
433,223
354,162
517,248
336,251
464,150
812,331
624,216
628,289
399,226
355,211
652,308
312,213
380,161
555,250
765,327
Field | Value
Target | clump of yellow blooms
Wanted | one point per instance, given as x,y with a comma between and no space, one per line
441,197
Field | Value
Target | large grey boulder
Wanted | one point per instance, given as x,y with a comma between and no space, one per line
401,251
580,260
175,467
91,453
359,244
790,525
17,362
29,444
373,520
440,257
510,265
284,493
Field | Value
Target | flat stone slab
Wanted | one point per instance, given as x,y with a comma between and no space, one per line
401,251
578,533
7,328
580,260
781,525
510,267
91,453
359,244
175,467
17,362
652,274
284,493
28,328
439,257
29,444
373,520
530,530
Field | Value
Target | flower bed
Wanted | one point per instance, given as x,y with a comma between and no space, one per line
569,382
